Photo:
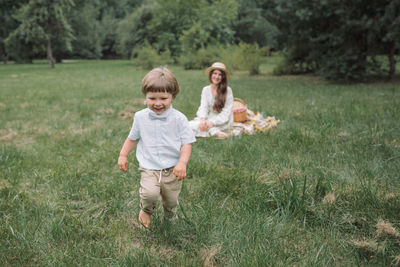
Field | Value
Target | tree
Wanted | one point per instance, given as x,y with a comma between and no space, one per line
7,24
212,19
389,20
217,20
132,31
200,23
111,12
41,23
87,31
253,23
167,27
339,39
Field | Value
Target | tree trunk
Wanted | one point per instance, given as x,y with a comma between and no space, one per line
6,58
50,54
392,61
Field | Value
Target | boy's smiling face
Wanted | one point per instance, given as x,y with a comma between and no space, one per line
158,101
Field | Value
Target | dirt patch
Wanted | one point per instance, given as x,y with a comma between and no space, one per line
138,101
7,135
106,111
343,134
127,113
330,198
366,246
4,184
288,173
208,256
386,229
394,143
24,105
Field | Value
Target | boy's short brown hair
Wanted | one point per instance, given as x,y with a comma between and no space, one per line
160,80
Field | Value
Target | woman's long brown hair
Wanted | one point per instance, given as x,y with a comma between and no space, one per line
220,98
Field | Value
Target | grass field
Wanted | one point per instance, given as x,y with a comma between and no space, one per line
321,189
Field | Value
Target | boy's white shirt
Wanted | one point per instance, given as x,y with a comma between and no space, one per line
161,137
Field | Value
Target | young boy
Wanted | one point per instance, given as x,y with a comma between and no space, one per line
163,138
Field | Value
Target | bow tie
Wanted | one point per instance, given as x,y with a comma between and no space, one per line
155,116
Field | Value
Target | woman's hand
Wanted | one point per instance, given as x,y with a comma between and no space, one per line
205,125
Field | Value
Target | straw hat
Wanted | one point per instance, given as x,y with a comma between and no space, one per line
217,66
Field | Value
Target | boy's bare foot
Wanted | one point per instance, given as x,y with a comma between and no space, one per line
144,218
221,135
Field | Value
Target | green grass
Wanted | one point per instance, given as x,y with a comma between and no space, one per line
254,200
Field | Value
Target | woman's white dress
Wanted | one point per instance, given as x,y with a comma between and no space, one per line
222,121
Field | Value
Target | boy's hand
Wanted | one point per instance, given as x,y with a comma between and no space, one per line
123,163
180,170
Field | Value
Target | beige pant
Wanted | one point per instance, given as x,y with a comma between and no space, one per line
153,187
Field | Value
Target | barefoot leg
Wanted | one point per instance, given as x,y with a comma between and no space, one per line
144,218
221,135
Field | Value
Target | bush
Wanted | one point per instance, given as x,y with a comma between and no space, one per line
148,57
265,51
296,61
200,59
247,57
346,65
284,68
166,58
204,57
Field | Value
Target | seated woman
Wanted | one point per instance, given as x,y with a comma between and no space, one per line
214,116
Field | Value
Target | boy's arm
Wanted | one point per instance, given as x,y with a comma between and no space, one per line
125,150
180,168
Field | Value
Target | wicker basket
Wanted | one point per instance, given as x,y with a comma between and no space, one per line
239,110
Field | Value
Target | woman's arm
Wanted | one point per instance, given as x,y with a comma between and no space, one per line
203,111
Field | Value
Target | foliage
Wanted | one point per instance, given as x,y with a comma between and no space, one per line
7,24
132,31
168,27
111,12
199,24
43,22
338,38
217,21
147,57
199,59
247,57
87,31
254,23
266,51
204,57
194,38
235,57
110,28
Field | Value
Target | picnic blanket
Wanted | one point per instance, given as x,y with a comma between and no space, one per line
255,122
